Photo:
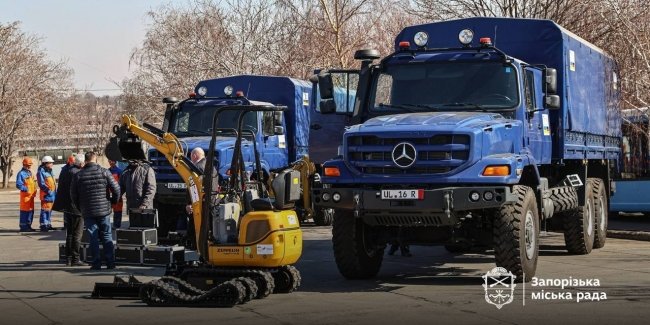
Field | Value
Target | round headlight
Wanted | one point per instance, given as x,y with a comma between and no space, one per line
228,90
465,36
326,196
336,197
488,196
421,39
474,196
203,90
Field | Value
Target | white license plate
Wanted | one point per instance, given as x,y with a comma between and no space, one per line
417,194
176,185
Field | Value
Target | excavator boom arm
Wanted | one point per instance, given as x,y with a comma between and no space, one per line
169,145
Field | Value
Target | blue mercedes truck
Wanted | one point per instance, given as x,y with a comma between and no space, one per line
281,139
474,134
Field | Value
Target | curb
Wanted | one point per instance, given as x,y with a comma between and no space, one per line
631,235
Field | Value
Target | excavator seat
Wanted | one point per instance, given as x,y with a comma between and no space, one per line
262,204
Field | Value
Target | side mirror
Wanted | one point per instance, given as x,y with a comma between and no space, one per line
327,106
278,118
325,85
551,80
278,130
552,102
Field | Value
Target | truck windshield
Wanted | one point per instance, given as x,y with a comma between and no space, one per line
446,86
196,120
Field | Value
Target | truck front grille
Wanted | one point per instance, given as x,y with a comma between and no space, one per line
437,154
405,219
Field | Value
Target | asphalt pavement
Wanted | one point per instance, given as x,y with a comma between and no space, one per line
432,287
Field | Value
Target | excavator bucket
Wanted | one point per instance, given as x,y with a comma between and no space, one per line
124,146
122,287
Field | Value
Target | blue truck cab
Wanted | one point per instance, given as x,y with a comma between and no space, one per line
279,139
473,134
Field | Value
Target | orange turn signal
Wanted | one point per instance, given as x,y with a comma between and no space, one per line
499,170
332,171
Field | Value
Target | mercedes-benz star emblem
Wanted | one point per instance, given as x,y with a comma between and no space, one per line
404,155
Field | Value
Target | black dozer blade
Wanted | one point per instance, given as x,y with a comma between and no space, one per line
122,287
124,146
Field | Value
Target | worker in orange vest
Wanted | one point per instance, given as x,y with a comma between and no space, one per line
117,207
48,191
26,183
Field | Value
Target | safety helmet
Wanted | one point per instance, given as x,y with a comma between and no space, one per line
47,159
27,161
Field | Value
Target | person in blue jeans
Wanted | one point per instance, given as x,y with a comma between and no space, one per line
89,190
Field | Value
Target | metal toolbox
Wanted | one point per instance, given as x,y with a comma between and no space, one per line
137,237
143,218
128,255
158,255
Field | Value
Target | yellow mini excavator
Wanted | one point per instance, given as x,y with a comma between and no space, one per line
246,241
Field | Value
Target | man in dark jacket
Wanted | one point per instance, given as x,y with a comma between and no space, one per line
73,220
138,182
89,194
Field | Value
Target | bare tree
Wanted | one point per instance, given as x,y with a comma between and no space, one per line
207,40
30,86
337,28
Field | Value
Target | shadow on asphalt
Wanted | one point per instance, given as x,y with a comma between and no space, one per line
55,265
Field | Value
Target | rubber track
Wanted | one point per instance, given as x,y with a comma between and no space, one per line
263,279
250,286
281,283
171,291
506,231
574,236
564,198
599,242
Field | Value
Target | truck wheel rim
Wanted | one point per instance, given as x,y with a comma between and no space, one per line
590,217
603,216
530,235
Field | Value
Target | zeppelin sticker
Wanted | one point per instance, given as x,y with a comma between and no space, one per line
572,60
292,219
194,192
264,249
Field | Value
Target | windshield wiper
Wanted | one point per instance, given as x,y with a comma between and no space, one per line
465,106
404,107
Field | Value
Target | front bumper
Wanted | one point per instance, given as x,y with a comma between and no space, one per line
166,195
438,207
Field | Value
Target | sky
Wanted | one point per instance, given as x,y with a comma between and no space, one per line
96,37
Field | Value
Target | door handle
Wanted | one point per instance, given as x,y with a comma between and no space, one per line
315,126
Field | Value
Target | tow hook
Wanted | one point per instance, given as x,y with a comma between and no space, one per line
356,204
449,203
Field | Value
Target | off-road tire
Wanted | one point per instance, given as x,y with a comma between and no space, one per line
579,224
353,259
323,217
564,198
511,223
601,213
